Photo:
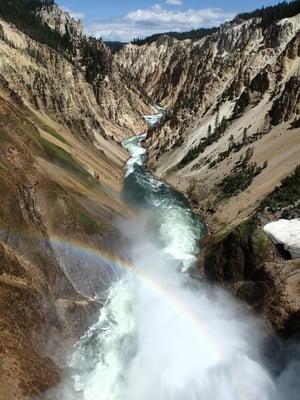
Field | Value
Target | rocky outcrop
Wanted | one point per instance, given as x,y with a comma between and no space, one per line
245,262
285,233
253,259
287,105
61,21
83,88
154,65
237,256
240,57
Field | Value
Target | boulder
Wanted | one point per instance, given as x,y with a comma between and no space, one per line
286,233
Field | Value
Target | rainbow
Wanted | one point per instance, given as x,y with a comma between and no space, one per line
118,262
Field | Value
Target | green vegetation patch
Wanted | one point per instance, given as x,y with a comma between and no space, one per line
262,242
56,135
88,223
239,180
5,119
246,229
70,215
3,167
3,136
63,159
241,176
251,230
237,254
212,137
234,147
286,194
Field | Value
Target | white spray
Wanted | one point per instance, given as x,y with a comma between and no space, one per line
162,336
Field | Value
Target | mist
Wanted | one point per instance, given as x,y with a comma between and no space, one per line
191,341
163,335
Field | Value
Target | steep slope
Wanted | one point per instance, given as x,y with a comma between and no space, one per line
158,67
232,91
35,209
63,112
229,138
89,96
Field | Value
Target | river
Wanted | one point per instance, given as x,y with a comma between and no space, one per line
162,335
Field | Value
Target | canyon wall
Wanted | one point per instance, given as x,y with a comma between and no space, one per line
234,91
63,114
229,138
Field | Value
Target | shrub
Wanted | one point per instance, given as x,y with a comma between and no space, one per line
241,176
286,194
205,142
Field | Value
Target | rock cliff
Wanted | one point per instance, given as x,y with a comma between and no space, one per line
232,92
229,138
89,95
65,105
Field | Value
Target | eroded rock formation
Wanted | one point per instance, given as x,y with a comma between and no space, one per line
63,113
230,137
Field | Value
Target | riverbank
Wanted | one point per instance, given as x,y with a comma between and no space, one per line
243,259
240,257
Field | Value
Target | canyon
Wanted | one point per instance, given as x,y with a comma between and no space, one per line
228,140
230,136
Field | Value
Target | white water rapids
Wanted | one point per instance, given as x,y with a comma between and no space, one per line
161,335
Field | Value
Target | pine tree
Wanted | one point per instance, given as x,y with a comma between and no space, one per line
217,121
245,136
231,141
223,125
209,131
